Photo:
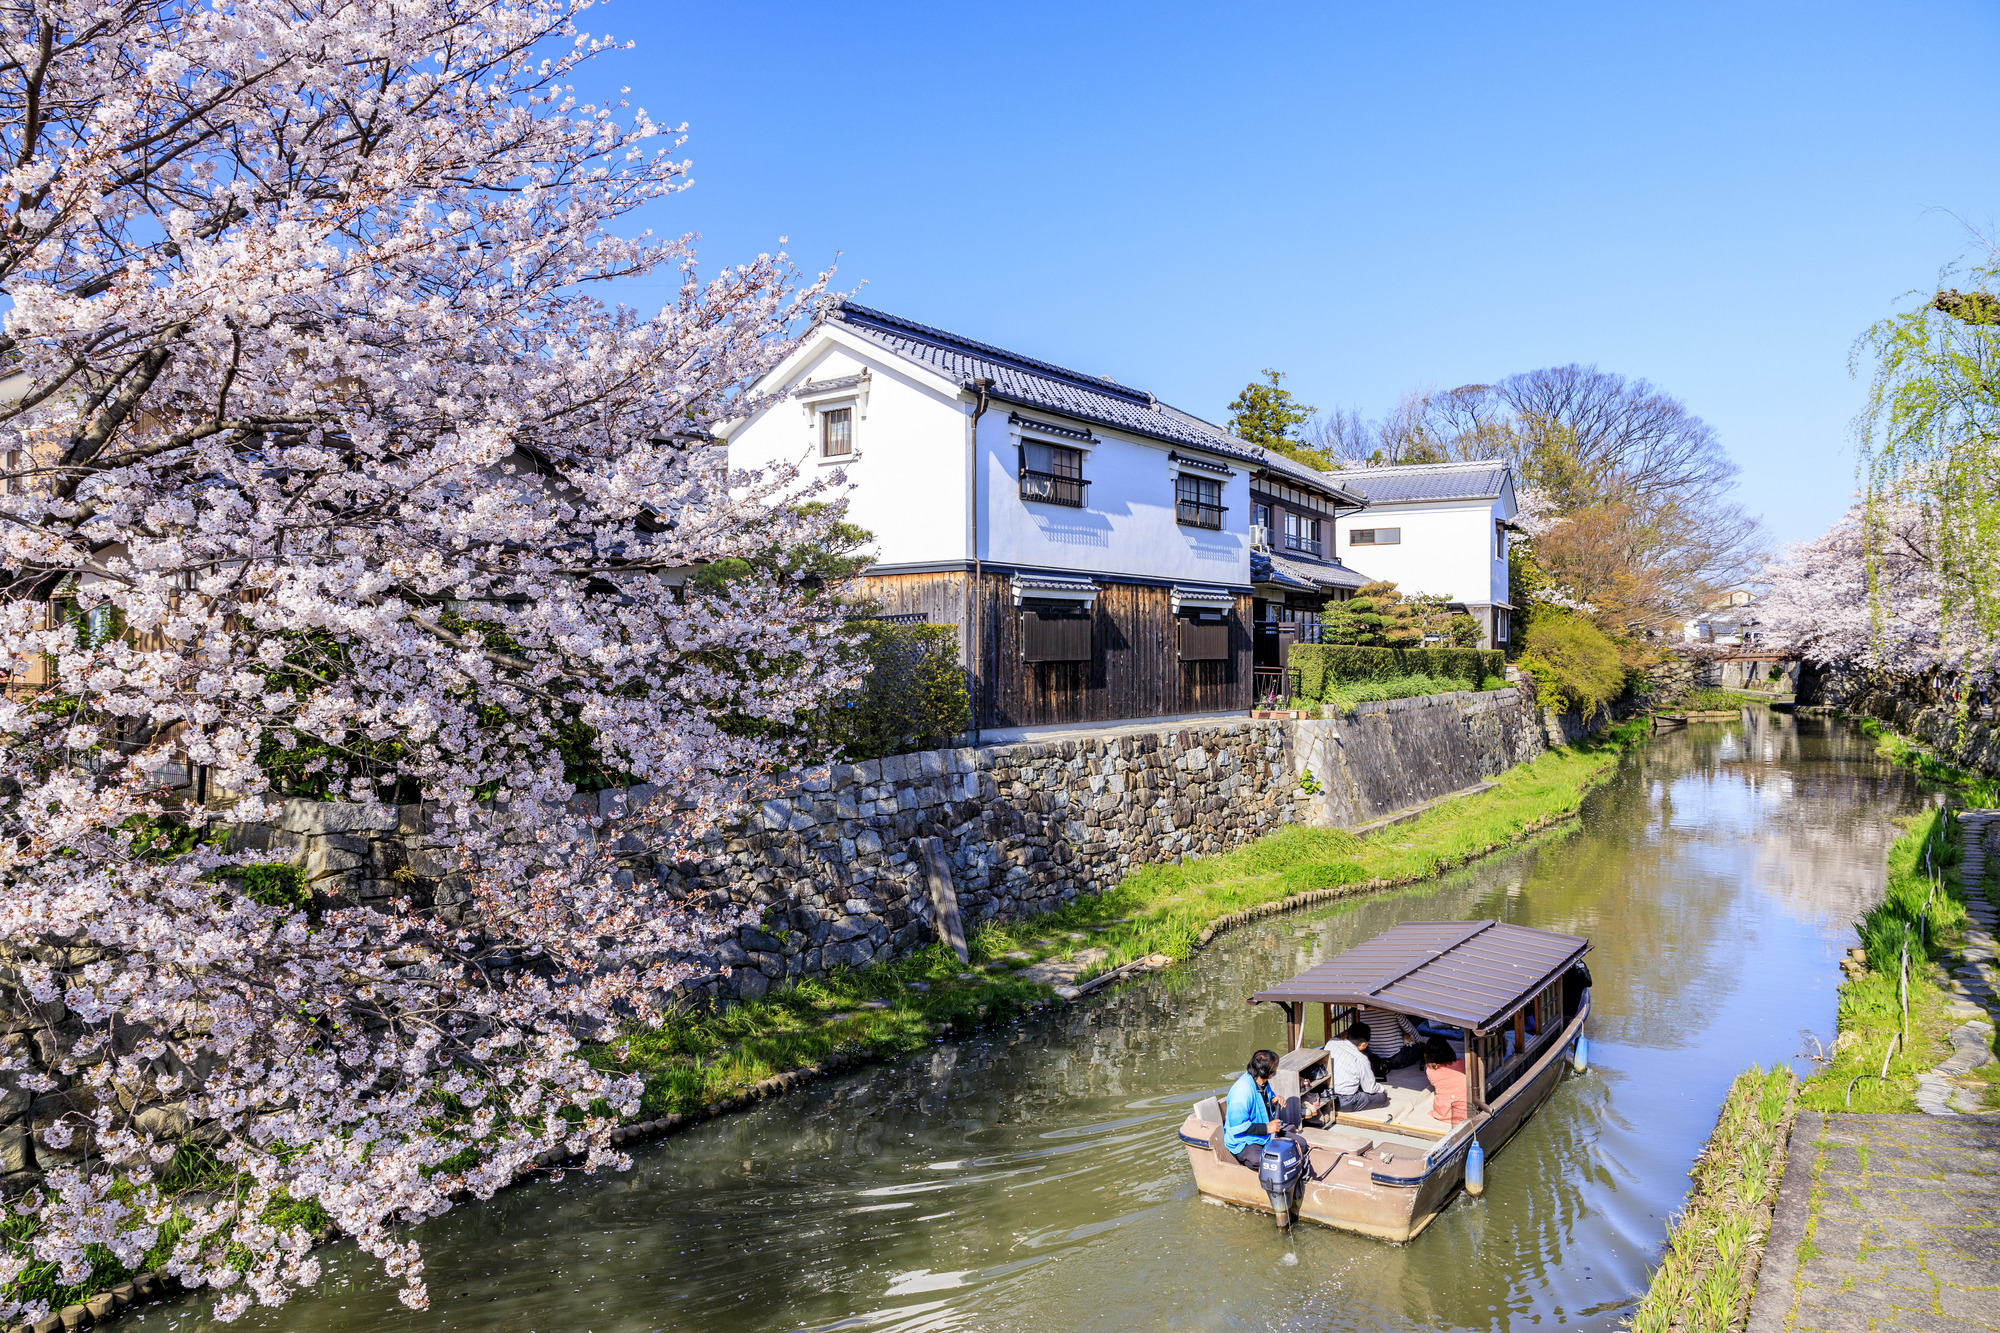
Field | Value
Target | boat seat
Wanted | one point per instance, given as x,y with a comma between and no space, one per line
1209,1111
1220,1148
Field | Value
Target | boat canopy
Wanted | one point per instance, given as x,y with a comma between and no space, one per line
1469,974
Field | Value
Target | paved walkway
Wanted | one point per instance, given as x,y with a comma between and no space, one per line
1946,1090
1897,1219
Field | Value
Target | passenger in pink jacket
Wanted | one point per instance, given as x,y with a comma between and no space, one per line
1446,1073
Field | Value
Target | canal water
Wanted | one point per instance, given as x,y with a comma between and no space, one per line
1031,1179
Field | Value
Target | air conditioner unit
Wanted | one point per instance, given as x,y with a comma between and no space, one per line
1260,537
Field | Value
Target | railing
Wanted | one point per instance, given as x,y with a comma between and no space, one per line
1194,515
1048,488
1294,542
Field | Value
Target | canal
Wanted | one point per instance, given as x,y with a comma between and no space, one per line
1031,1178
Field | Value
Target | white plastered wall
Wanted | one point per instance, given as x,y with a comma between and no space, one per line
907,471
1447,549
1127,526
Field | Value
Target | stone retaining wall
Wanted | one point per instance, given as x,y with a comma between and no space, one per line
832,865
1965,733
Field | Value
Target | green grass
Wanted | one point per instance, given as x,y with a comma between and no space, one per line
1708,1272
696,1061
1722,701
1921,915
1342,696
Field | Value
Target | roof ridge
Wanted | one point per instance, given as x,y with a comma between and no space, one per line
1419,467
847,310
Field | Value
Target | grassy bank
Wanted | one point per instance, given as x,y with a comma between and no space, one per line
1877,1055
697,1061
1709,1271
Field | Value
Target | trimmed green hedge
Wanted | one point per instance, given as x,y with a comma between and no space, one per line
1317,665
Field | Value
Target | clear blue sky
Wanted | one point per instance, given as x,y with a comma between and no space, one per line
1370,198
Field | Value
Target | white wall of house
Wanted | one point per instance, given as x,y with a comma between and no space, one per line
907,471
908,476
1127,525
1447,548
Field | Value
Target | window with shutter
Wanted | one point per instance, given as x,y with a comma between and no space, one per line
1055,633
1204,640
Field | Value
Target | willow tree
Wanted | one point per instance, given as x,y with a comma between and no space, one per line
1927,439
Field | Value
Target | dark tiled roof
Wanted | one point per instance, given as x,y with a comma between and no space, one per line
1298,474
1032,383
1425,481
1292,572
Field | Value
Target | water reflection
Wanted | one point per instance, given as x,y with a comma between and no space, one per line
1031,1179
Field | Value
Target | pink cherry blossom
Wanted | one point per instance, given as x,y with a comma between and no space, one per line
314,419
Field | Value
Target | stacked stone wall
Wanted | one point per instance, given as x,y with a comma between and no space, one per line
1963,730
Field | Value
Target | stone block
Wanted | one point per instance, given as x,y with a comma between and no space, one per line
337,817
16,1152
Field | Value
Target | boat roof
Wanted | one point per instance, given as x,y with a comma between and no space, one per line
1466,973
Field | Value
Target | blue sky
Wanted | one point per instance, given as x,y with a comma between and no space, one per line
1715,198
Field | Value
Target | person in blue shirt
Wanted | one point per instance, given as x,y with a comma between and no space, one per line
1248,1121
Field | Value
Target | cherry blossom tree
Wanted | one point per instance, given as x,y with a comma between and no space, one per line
1869,594
322,456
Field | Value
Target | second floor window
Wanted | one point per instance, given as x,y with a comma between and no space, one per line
1375,537
1052,474
836,432
1197,501
1302,534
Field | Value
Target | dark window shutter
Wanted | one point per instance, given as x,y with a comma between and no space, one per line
1055,633
1204,640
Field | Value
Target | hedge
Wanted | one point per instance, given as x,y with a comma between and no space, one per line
1317,665
912,696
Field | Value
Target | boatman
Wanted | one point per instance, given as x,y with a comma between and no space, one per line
1354,1087
1248,1122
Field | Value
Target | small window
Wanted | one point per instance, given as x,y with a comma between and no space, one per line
836,432
1500,618
1301,534
1053,474
1499,541
1375,537
1260,515
1198,502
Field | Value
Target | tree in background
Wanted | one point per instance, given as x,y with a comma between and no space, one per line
1635,515
1267,414
313,399
1930,447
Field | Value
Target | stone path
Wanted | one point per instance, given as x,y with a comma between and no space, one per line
1973,982
1884,1222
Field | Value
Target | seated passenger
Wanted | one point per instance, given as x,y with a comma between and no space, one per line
1446,1073
1248,1122
1354,1086
1392,1040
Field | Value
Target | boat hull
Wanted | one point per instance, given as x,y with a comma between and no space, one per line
1370,1183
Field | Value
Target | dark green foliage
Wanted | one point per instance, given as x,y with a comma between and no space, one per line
276,884
1267,414
1319,665
912,696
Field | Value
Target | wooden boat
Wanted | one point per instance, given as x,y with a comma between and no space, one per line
1517,999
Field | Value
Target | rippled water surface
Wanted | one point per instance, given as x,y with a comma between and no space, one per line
1032,1179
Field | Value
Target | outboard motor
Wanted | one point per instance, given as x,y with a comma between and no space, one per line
1284,1162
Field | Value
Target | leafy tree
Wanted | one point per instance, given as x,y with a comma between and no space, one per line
1267,414
1928,437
